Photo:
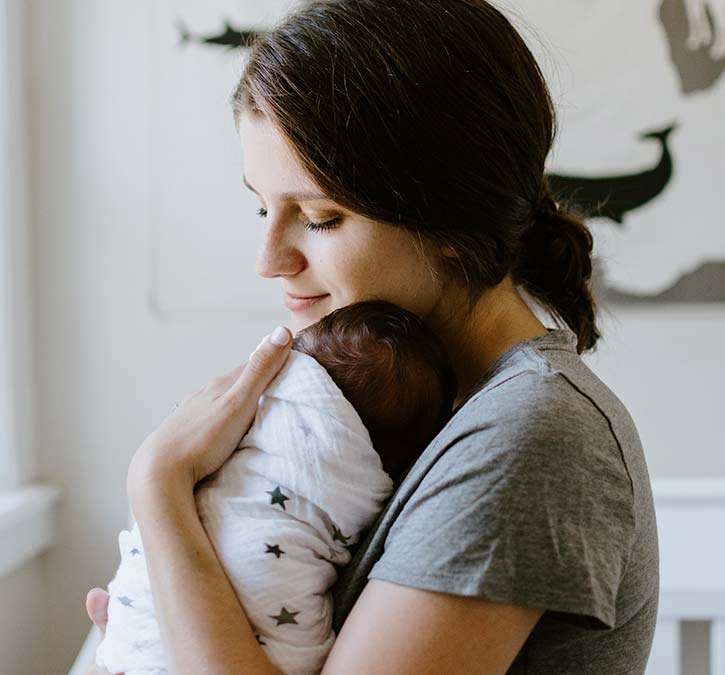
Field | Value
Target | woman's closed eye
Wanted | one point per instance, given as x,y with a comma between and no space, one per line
315,227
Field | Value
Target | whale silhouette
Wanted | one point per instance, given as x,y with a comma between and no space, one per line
614,196
231,38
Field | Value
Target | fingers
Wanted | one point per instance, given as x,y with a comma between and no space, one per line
97,607
264,364
220,385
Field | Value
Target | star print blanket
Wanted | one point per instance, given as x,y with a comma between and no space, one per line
303,485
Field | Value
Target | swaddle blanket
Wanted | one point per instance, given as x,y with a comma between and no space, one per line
303,485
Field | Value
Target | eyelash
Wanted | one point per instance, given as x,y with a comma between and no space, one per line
314,227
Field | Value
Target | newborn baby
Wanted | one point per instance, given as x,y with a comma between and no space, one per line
364,390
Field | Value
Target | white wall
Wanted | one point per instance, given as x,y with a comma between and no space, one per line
109,369
668,366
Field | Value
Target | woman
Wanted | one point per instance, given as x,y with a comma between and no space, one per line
398,150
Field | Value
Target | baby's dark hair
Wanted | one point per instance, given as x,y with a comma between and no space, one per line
393,369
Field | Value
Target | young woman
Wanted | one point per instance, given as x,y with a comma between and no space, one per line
398,150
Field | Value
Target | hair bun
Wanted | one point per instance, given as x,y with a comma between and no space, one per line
555,264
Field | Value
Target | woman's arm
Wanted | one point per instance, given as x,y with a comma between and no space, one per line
391,629
399,630
203,626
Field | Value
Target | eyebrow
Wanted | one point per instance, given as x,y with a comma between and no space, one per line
292,196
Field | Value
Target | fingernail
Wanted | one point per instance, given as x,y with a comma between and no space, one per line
280,336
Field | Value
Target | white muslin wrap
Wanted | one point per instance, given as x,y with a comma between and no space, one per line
303,485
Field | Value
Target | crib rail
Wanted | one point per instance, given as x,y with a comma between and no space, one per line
691,525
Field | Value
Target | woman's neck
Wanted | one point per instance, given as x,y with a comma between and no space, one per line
476,340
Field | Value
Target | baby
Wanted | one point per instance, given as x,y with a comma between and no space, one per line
364,390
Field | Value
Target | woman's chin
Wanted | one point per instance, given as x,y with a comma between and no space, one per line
303,319
298,322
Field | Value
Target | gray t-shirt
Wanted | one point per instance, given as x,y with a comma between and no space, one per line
535,493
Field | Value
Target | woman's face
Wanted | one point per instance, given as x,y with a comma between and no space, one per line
350,260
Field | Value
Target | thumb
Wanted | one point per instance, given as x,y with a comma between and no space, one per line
263,365
97,607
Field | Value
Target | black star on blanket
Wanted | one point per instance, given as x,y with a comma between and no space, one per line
126,602
337,535
274,549
284,617
278,497
305,430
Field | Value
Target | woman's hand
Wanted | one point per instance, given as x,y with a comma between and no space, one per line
97,608
201,434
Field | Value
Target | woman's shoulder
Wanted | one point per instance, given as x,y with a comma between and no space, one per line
541,395
536,467
534,431
544,422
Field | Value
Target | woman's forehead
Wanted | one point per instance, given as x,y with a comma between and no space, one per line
270,164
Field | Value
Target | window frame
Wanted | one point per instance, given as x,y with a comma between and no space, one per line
26,506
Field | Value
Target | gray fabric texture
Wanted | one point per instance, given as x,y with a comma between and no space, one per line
535,493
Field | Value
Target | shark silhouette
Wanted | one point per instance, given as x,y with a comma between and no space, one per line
231,38
614,196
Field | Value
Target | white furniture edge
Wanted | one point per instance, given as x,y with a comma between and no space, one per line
690,604
27,524
692,490
672,605
87,654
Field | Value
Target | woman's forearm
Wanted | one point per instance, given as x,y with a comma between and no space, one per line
204,628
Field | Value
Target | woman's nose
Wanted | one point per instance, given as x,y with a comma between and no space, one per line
277,255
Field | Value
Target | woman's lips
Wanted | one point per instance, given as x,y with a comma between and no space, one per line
297,303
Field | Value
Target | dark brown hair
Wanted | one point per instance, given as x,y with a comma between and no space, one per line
392,368
431,115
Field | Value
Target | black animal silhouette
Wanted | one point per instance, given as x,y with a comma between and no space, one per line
614,196
231,38
697,69
704,284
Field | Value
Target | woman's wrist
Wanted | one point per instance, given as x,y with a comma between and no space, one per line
151,482
203,626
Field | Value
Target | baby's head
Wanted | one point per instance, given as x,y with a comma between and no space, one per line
394,371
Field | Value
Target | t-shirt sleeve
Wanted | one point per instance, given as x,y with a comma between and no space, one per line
532,505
